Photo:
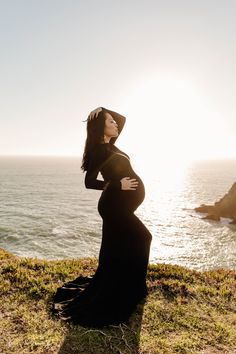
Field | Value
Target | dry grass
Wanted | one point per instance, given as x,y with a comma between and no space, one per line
186,311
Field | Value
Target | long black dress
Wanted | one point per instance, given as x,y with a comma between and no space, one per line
119,283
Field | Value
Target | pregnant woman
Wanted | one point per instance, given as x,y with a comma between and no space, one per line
119,283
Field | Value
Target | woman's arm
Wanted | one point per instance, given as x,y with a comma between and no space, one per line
92,182
96,161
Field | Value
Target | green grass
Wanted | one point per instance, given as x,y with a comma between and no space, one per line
185,312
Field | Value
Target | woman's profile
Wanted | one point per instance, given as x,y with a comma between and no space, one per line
119,283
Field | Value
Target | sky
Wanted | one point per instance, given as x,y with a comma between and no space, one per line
168,66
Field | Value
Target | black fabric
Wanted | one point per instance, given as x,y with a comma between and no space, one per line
119,283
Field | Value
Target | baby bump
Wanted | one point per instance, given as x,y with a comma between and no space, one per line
115,201
133,198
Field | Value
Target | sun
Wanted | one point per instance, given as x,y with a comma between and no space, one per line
170,120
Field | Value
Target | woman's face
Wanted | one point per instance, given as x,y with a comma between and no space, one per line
111,128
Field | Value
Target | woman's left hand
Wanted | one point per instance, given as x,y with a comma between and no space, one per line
93,114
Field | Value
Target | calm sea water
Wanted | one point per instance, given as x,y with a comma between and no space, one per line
46,211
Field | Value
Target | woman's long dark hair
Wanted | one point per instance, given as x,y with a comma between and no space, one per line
95,135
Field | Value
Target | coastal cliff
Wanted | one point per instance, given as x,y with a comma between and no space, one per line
225,207
185,312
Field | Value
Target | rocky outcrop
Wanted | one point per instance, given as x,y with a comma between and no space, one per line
225,207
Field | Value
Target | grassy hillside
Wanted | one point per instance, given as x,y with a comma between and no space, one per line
185,312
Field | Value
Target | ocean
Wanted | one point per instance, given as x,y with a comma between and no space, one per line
46,212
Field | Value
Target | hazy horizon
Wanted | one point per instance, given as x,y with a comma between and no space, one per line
80,157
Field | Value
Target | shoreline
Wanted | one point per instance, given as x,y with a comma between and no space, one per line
210,268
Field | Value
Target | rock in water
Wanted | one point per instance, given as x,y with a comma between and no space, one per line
225,207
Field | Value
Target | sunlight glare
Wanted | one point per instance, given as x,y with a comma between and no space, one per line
170,122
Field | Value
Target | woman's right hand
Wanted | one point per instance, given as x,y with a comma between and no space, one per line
128,184
93,114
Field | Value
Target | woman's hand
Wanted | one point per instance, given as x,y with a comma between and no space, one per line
128,184
93,114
